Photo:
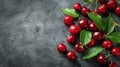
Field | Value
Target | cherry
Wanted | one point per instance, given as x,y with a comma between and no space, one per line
101,59
74,30
102,8
79,47
92,26
113,64
111,5
71,55
117,11
95,12
115,51
84,11
91,43
70,39
107,44
61,48
68,20
97,35
101,1
83,23
77,6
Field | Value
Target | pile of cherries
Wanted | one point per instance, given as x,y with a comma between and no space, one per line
74,31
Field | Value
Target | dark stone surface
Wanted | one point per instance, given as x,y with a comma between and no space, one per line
29,32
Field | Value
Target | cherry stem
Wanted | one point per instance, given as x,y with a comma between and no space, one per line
96,4
109,55
89,5
65,33
116,24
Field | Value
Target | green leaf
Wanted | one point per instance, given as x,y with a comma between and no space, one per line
85,37
70,12
88,1
110,24
115,37
92,52
98,20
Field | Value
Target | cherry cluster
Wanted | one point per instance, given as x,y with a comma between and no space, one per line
97,35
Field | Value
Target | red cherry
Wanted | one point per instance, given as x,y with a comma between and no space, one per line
97,35
68,20
83,23
95,12
107,44
113,64
84,11
77,6
71,55
70,39
79,47
101,59
74,30
91,43
102,8
111,4
101,1
117,11
92,26
115,51
61,48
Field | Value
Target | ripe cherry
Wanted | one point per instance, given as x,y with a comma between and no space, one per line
83,23
115,51
91,43
84,11
92,26
61,48
71,55
111,4
70,39
113,64
74,30
97,35
107,44
79,47
117,11
101,1
101,59
68,20
77,6
102,8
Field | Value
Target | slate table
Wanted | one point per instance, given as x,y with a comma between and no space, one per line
30,30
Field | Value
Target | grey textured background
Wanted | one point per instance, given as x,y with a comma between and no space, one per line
29,32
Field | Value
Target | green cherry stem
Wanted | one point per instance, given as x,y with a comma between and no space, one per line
110,56
65,33
96,4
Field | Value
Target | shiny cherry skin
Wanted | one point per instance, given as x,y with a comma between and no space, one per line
91,43
111,4
101,59
83,23
74,30
84,11
61,48
71,55
77,6
107,44
115,51
79,47
117,11
113,64
97,35
101,1
70,39
92,26
68,20
102,8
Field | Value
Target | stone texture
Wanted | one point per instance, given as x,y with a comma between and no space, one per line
29,32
